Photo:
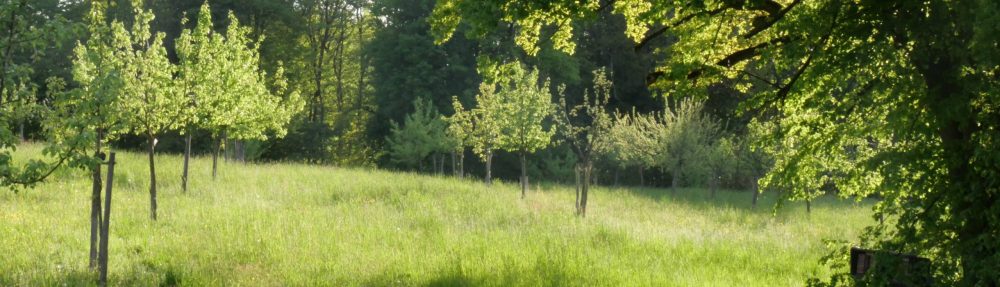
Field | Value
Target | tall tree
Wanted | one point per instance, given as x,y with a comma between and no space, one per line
916,80
327,29
406,64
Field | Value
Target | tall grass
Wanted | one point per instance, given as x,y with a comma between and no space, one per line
291,224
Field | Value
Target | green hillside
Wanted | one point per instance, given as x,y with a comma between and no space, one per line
292,224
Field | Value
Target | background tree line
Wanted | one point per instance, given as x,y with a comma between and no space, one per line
359,66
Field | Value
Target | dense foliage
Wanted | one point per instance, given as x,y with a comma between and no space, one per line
889,98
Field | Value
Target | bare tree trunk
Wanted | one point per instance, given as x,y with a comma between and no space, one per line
808,202
585,189
642,179
106,222
756,192
461,165
95,202
616,176
152,178
434,164
675,180
524,175
243,151
594,176
441,166
489,167
454,165
713,184
215,156
21,132
576,175
187,157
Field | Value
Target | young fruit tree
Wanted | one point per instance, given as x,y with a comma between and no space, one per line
198,52
524,107
94,109
244,107
635,139
459,136
150,102
484,121
584,128
720,162
688,135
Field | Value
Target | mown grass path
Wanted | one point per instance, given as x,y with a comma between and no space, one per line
291,225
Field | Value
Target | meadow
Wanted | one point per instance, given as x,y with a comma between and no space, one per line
294,225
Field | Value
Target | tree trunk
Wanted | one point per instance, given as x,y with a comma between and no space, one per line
524,175
585,189
440,165
21,132
434,164
808,202
187,157
454,165
642,179
578,184
713,184
594,177
238,151
756,192
675,180
215,156
489,167
152,178
461,165
616,176
95,202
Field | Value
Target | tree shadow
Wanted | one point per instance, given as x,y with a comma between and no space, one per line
740,200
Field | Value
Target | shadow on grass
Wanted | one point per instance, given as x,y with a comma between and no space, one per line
701,198
740,200
69,278
548,270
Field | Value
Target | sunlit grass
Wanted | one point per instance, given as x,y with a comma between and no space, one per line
290,224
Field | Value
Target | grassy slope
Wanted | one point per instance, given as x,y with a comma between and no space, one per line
288,224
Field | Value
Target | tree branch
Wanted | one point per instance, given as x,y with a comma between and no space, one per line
659,32
771,20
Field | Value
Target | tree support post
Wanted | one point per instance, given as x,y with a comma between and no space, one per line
152,178
187,157
95,203
103,258
524,175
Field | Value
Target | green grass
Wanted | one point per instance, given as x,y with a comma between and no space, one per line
290,224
